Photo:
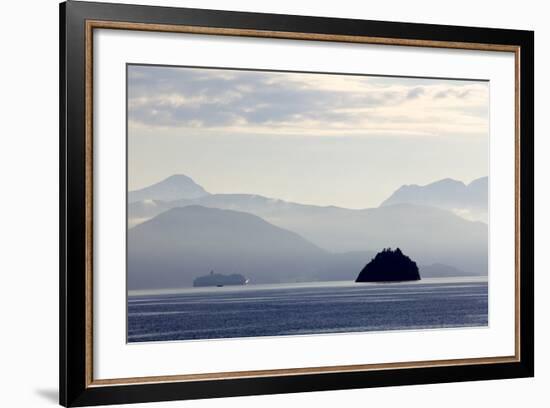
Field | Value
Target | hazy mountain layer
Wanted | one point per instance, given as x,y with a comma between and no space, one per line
428,234
438,270
468,201
181,244
174,187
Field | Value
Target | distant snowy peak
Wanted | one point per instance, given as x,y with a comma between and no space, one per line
176,187
468,201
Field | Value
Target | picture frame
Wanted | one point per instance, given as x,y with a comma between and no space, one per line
78,162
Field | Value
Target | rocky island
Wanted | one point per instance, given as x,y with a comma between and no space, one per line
389,266
218,279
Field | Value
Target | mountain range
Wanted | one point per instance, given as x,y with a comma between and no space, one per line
467,200
172,188
270,240
182,243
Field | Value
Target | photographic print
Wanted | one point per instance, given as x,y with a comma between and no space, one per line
270,203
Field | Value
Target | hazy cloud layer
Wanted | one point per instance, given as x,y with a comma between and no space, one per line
312,104
317,139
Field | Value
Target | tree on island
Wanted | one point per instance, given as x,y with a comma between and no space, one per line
389,266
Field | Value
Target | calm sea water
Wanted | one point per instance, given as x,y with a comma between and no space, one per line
310,308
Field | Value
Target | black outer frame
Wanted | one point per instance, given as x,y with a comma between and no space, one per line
72,300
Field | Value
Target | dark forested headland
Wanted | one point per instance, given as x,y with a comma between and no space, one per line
389,266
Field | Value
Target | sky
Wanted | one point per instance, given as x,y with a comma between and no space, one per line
314,138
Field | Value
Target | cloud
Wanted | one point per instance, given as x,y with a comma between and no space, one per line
453,93
415,93
267,102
